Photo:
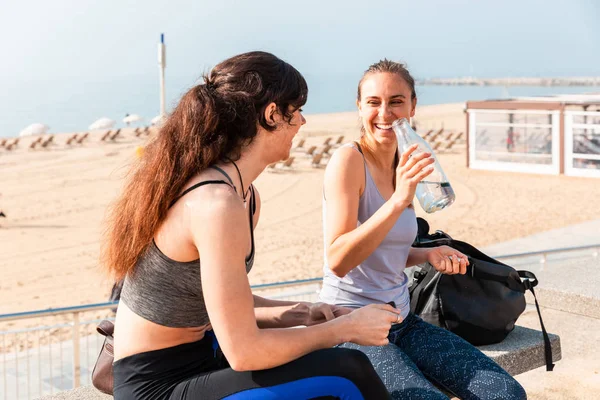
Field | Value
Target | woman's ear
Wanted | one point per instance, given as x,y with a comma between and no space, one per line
413,107
270,112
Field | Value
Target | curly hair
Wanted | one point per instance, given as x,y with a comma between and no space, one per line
213,122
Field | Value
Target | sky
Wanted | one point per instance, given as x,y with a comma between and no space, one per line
62,53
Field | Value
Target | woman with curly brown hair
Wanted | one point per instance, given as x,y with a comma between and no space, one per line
181,236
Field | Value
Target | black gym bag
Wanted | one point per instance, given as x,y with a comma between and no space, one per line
481,306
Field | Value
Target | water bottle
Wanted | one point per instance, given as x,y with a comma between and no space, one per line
434,191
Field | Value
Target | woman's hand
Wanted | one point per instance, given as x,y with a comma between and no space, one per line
448,260
410,171
370,325
338,311
321,312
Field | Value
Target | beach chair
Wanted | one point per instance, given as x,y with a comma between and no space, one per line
288,163
326,142
37,141
272,167
311,150
82,138
449,136
117,133
105,136
426,135
339,140
459,136
316,160
449,145
326,149
300,144
2,142
71,139
47,142
11,145
435,135
436,146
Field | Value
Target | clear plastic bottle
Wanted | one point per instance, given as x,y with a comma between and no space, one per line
434,191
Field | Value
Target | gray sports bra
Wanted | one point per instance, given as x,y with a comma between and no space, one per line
169,292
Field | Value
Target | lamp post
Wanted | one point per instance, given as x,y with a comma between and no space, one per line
162,63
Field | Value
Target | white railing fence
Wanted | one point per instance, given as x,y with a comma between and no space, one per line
582,143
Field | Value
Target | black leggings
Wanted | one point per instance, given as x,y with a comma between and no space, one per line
195,370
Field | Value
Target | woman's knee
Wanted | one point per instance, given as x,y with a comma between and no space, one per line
515,390
506,388
351,361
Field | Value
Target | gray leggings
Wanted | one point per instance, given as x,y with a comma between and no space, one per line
420,353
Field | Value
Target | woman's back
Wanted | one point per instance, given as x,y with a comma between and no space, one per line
162,302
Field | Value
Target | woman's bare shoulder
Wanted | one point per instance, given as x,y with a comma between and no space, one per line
345,160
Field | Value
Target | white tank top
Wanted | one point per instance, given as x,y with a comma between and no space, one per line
380,278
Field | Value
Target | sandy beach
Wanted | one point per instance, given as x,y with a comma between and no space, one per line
56,198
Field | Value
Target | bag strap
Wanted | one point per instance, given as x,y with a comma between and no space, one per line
530,282
513,284
416,289
106,328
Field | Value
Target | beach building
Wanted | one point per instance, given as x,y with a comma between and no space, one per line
546,135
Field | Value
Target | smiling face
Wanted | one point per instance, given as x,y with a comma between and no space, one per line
385,97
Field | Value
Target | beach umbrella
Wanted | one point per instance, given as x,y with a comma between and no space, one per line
129,118
34,129
102,123
158,120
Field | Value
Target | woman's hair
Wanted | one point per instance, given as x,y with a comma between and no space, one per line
213,122
391,67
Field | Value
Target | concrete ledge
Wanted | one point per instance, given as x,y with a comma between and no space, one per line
521,351
81,393
563,300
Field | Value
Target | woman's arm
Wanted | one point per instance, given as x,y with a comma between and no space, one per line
347,244
222,240
284,314
417,256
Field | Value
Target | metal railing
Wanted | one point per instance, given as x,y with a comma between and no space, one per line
595,250
42,357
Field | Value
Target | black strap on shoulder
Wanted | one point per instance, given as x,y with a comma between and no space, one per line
252,200
224,173
359,149
197,185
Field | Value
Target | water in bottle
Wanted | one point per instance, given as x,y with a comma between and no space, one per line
434,191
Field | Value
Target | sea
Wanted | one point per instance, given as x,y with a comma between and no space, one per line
72,105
